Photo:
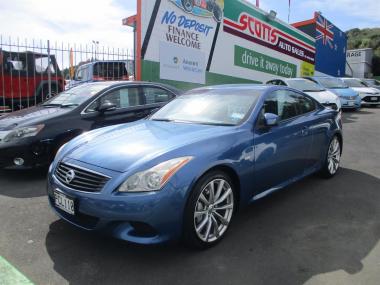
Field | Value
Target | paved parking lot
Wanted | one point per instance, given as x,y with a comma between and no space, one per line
315,232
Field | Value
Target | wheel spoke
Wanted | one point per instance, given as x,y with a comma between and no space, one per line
202,224
225,207
219,190
204,200
222,219
200,213
216,226
224,196
212,192
209,224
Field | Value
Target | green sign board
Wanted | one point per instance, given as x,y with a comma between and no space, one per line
260,62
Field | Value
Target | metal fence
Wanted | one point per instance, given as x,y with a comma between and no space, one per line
32,71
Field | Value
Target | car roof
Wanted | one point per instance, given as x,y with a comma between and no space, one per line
109,84
248,86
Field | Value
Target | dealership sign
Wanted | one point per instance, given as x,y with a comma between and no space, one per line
252,29
195,42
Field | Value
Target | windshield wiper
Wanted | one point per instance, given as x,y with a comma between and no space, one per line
162,120
69,105
51,105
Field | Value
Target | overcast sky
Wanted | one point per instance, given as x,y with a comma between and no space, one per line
82,21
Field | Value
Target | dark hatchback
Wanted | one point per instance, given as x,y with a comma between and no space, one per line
31,137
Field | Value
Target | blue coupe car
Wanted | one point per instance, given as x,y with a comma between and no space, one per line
349,98
185,171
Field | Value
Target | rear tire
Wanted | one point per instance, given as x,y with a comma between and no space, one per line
209,210
332,160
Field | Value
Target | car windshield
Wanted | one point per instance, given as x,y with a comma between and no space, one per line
332,83
305,85
226,107
75,96
354,83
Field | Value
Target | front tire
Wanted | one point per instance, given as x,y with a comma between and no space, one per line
209,210
332,161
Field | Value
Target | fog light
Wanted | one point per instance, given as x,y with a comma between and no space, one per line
18,161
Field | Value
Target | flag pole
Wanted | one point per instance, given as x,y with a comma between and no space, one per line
289,12
258,3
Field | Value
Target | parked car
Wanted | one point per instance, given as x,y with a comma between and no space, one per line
323,96
369,95
187,169
110,70
213,6
372,83
349,98
31,137
24,78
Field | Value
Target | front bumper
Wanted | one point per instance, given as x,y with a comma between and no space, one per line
145,218
349,103
371,100
34,153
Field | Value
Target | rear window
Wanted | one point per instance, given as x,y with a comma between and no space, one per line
111,70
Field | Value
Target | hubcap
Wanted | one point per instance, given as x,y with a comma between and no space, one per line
333,158
213,210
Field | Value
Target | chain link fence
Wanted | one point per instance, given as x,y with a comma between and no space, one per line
33,71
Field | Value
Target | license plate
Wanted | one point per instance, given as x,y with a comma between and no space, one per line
64,203
351,103
373,98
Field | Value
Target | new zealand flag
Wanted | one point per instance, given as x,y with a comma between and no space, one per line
330,44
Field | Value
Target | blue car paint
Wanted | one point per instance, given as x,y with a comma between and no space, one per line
343,94
263,163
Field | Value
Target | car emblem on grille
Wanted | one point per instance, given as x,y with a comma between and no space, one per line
70,175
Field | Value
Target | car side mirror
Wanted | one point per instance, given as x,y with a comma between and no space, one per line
271,119
106,107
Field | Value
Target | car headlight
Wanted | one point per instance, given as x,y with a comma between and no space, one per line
23,132
154,178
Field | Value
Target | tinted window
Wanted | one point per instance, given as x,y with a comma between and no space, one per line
332,83
123,98
287,104
110,70
306,104
156,95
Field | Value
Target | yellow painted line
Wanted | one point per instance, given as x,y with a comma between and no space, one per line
9,275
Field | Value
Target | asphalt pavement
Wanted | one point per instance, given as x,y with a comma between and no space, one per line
314,232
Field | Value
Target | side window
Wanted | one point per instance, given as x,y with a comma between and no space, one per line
80,74
123,98
282,103
156,95
306,104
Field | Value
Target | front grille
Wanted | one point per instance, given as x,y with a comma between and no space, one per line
80,179
369,99
350,97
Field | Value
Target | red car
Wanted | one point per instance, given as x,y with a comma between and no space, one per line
24,78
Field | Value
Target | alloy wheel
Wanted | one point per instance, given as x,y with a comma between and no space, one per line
213,210
333,157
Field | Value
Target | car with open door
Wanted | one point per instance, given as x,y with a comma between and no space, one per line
183,172
31,137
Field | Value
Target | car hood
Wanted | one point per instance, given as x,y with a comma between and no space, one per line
30,116
323,96
368,90
120,148
344,92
